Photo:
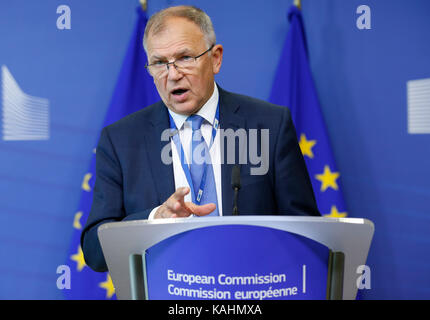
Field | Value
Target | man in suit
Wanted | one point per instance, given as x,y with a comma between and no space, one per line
136,180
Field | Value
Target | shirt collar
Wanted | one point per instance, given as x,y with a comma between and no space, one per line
207,112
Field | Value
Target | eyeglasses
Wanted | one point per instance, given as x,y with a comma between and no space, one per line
183,64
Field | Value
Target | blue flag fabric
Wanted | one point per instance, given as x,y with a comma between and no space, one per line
134,90
294,87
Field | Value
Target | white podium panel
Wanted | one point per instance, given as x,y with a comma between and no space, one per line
351,236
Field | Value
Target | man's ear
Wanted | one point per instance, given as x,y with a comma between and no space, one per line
216,54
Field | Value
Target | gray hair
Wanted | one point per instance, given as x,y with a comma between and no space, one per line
157,22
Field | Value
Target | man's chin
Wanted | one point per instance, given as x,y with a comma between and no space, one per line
186,108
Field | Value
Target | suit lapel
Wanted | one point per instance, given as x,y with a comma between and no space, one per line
229,119
164,181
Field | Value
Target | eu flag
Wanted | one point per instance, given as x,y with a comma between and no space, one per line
134,90
294,87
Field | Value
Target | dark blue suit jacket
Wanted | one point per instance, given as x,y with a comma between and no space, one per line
131,179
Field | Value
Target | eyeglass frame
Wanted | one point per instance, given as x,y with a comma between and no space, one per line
173,62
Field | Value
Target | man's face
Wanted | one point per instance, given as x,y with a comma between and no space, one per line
184,93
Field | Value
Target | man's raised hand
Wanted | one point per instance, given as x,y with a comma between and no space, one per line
175,207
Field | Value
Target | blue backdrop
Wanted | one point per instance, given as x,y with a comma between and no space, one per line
361,79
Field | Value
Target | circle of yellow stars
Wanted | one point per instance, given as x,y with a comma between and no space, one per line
78,257
328,178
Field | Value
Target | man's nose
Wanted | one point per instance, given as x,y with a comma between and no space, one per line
173,73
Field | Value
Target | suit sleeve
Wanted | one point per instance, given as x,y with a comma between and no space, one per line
107,203
293,188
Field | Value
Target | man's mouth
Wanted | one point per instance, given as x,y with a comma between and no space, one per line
178,92
179,95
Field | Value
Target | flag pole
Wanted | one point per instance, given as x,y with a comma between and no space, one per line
144,4
298,4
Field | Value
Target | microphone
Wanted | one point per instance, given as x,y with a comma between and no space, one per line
235,184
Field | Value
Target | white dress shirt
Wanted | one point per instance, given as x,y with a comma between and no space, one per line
207,112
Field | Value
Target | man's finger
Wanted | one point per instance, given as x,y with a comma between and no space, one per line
178,207
180,193
177,197
200,210
175,204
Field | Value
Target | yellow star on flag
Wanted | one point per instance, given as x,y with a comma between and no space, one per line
79,258
85,182
306,146
328,179
77,220
108,286
334,213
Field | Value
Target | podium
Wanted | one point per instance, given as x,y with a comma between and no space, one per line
143,254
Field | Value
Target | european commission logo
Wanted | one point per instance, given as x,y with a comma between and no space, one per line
24,117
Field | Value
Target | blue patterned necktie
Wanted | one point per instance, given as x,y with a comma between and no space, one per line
200,158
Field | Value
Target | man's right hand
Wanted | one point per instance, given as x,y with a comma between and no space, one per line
175,207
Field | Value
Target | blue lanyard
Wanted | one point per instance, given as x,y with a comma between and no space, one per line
176,139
